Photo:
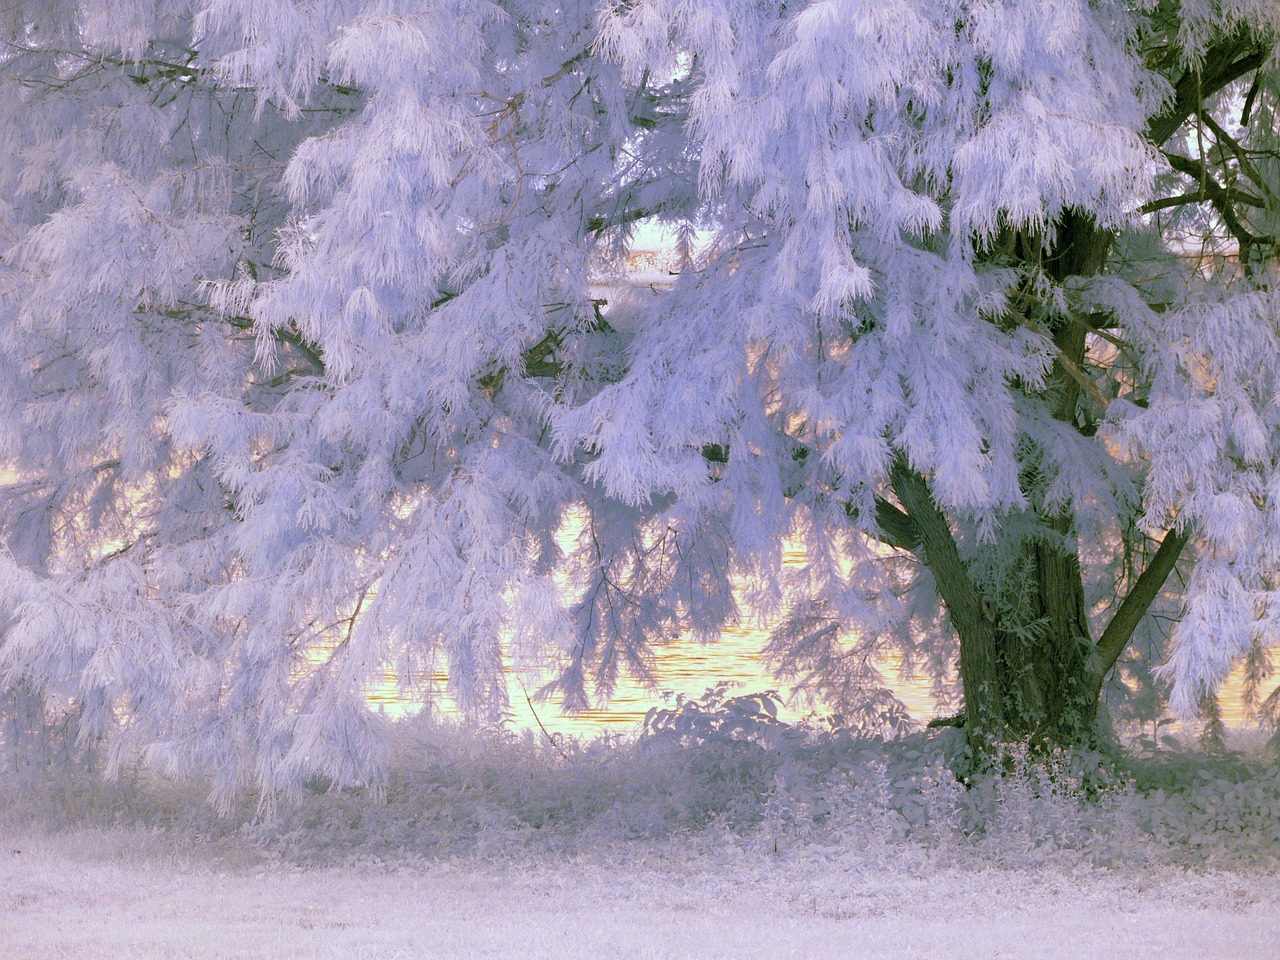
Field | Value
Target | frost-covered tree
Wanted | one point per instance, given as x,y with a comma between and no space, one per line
308,374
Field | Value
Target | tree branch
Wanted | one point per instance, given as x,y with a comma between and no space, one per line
978,663
1132,609
285,335
598,223
1238,150
1224,63
1211,189
1183,199
1221,198
893,526
896,528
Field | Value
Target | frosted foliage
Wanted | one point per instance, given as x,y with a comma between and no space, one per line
828,164
321,364
1210,445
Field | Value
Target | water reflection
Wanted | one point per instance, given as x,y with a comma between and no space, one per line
689,668
686,667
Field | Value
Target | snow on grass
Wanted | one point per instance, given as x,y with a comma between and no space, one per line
721,833
90,895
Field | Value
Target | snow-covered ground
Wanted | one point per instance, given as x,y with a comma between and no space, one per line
124,894
707,838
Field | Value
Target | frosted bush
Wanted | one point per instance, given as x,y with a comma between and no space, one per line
722,775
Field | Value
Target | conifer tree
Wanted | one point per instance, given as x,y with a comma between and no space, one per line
308,374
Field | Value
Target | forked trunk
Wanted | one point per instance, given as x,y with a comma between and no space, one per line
1029,666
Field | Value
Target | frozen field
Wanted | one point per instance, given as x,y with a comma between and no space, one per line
119,894
690,844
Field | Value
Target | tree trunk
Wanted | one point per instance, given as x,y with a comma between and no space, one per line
1029,667
1045,642
1044,647
1031,670
24,732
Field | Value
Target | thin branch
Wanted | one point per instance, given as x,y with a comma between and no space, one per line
1185,199
1241,154
1247,112
1080,377
1221,197
1210,189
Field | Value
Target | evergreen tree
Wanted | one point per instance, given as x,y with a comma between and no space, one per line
307,375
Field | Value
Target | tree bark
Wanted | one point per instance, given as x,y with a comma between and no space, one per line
979,662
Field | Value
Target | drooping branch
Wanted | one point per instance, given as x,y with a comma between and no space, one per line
1133,608
893,526
622,218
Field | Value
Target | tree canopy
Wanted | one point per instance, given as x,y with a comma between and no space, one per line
320,359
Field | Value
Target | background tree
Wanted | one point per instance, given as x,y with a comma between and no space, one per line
306,376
